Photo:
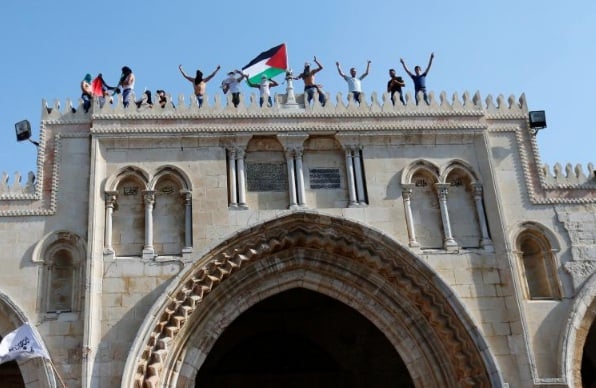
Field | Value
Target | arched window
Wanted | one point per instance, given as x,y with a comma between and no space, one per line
61,255
538,265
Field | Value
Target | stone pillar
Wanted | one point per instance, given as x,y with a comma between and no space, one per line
149,197
448,242
241,179
300,178
350,175
359,178
232,191
291,178
407,196
187,195
485,242
110,198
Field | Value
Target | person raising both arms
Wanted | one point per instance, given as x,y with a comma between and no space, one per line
308,76
200,83
354,84
419,78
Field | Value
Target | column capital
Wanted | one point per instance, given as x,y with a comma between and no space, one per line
149,196
110,197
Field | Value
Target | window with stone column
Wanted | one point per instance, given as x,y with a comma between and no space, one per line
465,224
426,213
169,217
538,265
128,230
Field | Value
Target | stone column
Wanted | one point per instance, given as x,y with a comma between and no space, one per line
232,191
350,175
407,196
291,178
485,242
448,242
149,197
241,179
187,195
300,178
110,198
359,178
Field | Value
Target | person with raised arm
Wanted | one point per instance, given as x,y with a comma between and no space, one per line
232,85
419,78
86,92
199,83
354,84
308,76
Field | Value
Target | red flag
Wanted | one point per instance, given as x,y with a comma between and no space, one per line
97,86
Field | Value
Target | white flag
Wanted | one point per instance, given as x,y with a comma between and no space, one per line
24,342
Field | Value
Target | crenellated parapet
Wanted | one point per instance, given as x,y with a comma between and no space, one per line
569,176
221,106
17,188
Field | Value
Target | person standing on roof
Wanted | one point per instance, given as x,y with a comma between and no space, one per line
200,83
354,84
419,78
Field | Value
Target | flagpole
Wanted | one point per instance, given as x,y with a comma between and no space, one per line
57,374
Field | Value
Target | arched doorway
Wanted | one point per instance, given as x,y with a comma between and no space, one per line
346,261
300,338
588,366
10,375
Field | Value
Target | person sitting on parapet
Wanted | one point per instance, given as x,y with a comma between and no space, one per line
200,83
145,99
394,86
264,89
419,78
86,92
354,84
162,98
308,76
232,85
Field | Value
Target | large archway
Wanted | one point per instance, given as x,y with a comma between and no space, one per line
357,266
29,372
300,338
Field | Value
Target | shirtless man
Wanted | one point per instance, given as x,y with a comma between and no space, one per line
200,83
308,76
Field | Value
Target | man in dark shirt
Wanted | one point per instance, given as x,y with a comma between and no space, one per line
394,86
419,78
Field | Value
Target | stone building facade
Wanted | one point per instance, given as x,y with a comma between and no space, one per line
338,245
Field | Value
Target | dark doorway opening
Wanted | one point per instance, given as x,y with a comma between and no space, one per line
300,338
589,359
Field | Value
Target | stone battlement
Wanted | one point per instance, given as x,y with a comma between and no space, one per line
465,105
569,176
16,187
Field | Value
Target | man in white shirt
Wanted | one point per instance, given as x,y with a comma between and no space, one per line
264,89
232,85
354,84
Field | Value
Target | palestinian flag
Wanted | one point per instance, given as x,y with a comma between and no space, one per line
270,63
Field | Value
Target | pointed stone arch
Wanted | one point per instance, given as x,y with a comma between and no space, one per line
582,316
360,267
35,371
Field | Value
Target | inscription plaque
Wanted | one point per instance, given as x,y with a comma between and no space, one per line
266,176
324,178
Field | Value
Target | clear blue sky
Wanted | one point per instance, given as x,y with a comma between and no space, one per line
545,49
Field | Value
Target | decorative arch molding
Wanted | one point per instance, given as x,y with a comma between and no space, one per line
582,315
458,164
348,261
417,165
175,173
537,228
62,237
130,171
36,371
